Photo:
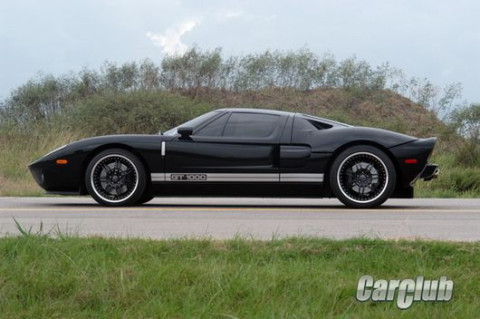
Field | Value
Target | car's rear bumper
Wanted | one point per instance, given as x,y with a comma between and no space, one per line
430,172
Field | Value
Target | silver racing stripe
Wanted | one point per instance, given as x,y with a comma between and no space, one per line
304,177
220,177
237,177
158,177
242,177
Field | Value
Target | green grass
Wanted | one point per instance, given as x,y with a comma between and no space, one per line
454,180
19,150
70,277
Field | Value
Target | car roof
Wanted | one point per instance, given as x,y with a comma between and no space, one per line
251,110
284,113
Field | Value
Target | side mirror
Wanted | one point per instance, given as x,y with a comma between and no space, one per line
185,132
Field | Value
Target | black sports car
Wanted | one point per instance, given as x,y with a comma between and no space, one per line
242,152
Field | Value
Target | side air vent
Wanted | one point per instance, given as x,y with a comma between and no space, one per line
320,125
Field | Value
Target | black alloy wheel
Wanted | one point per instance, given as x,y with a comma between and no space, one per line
116,177
362,176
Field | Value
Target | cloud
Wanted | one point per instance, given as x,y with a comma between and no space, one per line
171,40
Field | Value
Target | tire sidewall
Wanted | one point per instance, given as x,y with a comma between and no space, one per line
336,188
142,178
144,199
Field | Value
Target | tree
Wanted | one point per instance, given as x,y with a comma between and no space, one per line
467,123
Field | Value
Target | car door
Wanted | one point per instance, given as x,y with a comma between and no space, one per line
298,162
237,146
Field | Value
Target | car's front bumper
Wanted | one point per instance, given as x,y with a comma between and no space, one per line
57,179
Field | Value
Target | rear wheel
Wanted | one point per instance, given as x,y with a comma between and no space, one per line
116,177
362,176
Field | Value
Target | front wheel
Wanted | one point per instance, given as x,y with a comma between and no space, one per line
144,199
116,177
362,176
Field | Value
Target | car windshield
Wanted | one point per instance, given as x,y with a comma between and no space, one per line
192,123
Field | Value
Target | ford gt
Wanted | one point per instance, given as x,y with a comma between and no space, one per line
242,152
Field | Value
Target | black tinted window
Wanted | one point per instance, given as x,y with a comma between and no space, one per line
321,125
193,122
214,128
251,125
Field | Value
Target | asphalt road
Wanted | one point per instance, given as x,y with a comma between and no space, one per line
444,219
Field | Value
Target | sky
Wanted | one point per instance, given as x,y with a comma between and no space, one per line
439,40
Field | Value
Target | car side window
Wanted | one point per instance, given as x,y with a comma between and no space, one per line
214,128
251,125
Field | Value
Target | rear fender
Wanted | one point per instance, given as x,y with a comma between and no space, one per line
412,158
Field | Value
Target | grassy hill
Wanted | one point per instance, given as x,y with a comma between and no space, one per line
384,109
151,111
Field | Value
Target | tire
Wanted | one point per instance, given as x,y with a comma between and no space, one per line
144,199
116,177
362,176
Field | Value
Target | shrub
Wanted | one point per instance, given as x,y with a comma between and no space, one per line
135,112
467,179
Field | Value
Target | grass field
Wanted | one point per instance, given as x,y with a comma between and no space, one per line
70,277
